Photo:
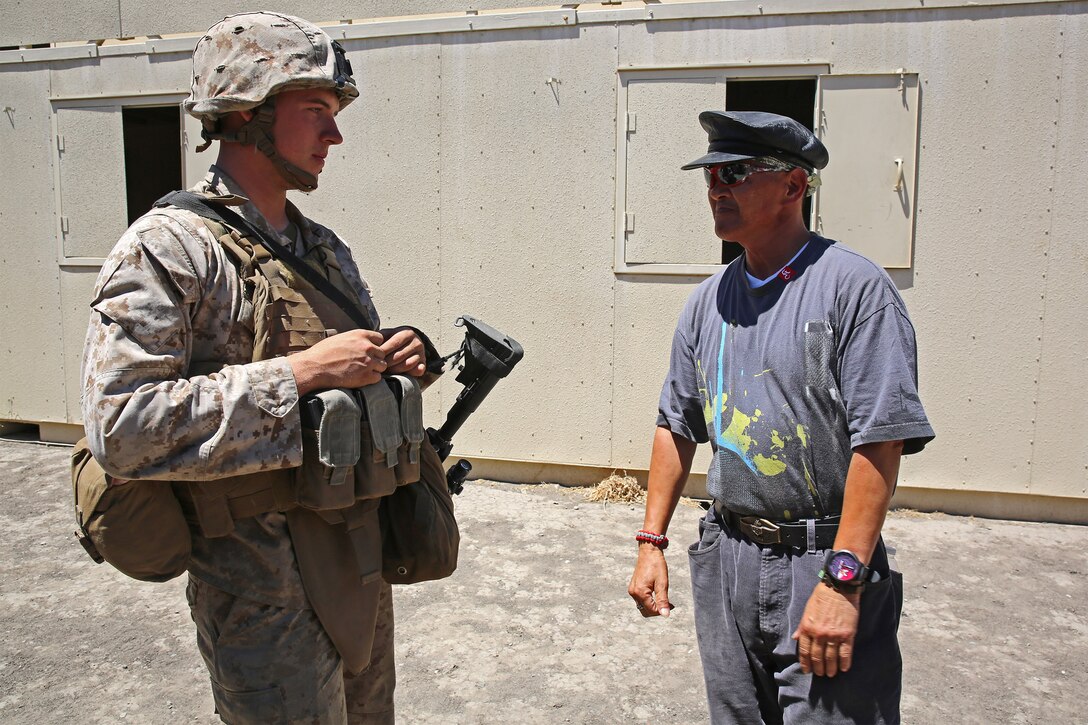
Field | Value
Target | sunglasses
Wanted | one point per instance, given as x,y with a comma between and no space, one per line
738,172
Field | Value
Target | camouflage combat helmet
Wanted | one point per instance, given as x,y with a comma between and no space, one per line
245,59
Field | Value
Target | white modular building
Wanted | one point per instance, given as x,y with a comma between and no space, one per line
522,165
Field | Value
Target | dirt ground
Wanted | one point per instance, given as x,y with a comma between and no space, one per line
536,626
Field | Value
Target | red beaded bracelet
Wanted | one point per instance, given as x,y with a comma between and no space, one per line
659,540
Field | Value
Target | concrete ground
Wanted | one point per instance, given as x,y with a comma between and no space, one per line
536,625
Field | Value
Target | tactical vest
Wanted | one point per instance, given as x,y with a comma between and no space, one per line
289,316
368,443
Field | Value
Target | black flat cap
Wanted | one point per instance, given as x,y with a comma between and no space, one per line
741,135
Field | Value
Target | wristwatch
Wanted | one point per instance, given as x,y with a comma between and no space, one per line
843,571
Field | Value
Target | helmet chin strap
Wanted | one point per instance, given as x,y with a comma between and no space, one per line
258,131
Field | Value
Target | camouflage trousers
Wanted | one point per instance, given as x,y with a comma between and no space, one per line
274,665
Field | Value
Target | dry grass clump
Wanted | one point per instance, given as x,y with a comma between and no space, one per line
617,488
909,513
623,488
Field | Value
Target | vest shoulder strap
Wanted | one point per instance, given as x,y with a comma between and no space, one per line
204,207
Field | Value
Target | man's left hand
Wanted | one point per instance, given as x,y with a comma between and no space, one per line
405,352
825,637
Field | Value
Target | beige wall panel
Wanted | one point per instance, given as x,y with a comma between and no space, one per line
646,313
32,21
977,298
76,288
527,241
769,40
141,18
89,163
1060,460
670,224
382,187
867,196
27,22
30,323
122,75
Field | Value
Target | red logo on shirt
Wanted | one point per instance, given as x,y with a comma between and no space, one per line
787,273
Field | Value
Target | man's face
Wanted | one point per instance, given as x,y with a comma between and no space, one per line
304,127
751,208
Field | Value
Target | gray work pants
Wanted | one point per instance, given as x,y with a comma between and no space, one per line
748,602
274,665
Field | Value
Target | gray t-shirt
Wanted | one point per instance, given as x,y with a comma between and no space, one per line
785,380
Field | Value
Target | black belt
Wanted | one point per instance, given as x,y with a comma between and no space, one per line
794,533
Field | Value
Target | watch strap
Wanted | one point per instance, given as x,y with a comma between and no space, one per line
841,587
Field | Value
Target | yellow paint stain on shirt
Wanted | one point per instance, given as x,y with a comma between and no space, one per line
768,466
737,432
802,435
704,390
811,487
737,435
777,441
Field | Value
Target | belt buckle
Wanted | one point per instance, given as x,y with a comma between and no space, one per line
761,531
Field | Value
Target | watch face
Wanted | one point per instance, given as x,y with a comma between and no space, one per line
843,568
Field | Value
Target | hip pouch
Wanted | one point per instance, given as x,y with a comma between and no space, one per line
136,526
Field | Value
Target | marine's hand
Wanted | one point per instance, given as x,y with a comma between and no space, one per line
405,352
825,637
649,585
349,360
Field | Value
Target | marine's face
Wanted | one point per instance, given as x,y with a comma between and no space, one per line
304,127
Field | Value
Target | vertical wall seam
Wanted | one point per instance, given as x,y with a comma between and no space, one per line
615,285
57,246
1048,226
441,231
1048,247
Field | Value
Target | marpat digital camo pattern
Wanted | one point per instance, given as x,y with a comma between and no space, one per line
253,683
245,58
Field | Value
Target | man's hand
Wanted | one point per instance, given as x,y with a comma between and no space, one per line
649,585
670,461
404,352
825,637
349,360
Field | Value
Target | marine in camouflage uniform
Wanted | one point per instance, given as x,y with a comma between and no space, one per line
173,392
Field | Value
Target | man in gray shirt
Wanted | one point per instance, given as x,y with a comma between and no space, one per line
797,363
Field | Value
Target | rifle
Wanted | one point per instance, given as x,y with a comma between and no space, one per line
486,356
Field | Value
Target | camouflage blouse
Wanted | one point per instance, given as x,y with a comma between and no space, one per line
169,389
